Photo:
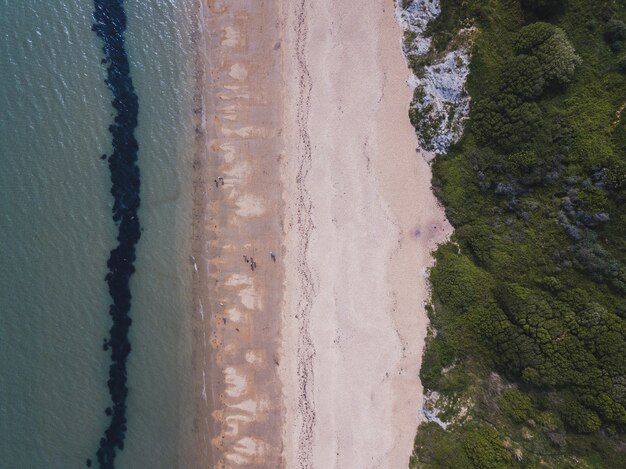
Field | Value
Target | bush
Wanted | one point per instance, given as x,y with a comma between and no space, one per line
558,58
522,162
579,418
543,7
551,47
507,124
621,64
484,448
614,31
515,405
532,36
523,77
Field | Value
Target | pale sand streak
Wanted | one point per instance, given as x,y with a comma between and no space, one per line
360,224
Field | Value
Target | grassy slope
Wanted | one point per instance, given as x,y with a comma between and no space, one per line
529,334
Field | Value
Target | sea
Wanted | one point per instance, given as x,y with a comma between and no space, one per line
56,233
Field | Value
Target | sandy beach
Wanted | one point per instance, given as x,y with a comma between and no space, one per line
361,222
238,253
311,360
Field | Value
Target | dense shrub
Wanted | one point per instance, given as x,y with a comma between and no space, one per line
484,448
549,44
614,31
579,418
506,124
543,7
615,34
515,405
523,76
532,36
532,289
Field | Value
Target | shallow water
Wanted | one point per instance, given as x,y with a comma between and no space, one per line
57,231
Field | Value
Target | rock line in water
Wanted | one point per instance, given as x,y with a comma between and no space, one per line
110,24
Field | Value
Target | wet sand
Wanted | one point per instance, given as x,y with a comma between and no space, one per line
311,361
238,220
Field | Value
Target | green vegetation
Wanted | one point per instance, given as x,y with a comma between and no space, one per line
526,356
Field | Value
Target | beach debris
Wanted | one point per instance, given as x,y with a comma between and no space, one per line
217,184
221,304
221,180
273,256
252,264
245,258
193,261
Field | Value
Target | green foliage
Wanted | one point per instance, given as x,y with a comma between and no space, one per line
621,64
543,8
549,44
531,37
593,199
580,418
532,289
523,77
507,123
614,30
516,405
558,58
484,448
460,282
522,161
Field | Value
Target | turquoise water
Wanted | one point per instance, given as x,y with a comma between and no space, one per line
55,220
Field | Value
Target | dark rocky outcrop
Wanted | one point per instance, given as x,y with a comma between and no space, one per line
109,25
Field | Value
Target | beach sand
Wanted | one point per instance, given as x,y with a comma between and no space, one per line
311,361
361,221
238,219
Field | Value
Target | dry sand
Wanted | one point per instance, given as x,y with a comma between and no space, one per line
361,221
311,361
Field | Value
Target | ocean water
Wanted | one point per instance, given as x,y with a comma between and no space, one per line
56,233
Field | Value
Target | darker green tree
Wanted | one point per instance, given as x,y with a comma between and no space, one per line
543,8
621,64
522,76
579,418
549,44
615,34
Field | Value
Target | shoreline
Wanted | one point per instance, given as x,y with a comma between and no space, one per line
238,220
312,360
